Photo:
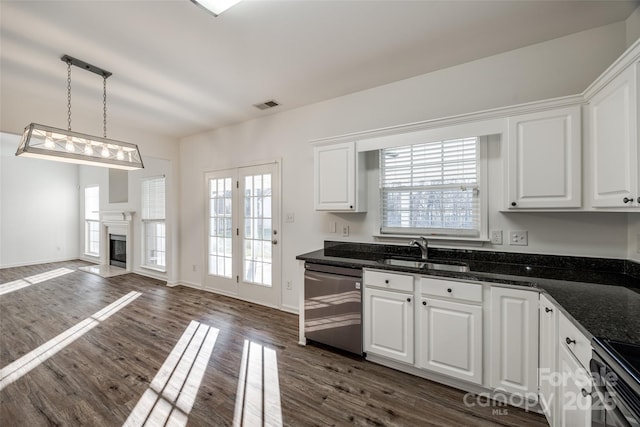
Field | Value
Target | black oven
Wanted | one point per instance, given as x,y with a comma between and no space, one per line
615,369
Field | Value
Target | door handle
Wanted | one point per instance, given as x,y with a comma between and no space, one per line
274,241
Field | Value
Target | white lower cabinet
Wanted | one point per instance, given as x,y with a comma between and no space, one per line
574,391
388,316
547,374
451,338
533,351
575,383
514,341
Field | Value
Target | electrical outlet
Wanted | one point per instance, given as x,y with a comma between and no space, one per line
638,243
496,237
289,285
518,238
345,231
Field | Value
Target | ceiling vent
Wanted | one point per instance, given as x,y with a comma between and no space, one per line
266,105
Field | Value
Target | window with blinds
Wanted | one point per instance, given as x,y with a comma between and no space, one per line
92,221
431,189
153,219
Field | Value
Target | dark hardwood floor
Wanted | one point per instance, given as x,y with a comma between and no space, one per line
100,376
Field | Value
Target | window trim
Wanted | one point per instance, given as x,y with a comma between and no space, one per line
483,223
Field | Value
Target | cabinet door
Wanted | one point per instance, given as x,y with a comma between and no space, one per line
614,143
335,177
544,160
548,358
451,339
514,341
574,391
388,324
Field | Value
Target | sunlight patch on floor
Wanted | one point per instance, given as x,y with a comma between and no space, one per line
26,363
172,392
258,393
5,288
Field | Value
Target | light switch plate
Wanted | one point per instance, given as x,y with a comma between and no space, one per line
496,237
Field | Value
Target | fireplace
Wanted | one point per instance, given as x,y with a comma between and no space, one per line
118,250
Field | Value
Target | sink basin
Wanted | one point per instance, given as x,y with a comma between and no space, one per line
444,265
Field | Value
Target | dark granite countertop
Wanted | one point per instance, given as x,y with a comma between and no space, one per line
601,295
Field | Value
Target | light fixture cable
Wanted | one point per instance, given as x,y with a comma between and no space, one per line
104,103
69,95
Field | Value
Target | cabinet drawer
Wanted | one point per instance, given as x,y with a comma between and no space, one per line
581,348
451,289
380,279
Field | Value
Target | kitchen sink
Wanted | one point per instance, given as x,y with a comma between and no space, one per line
422,264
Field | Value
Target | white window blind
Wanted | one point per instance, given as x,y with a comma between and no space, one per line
153,197
153,218
431,188
92,221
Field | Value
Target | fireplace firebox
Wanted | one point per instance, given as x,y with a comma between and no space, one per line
118,250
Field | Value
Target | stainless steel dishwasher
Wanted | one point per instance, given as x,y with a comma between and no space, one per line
333,306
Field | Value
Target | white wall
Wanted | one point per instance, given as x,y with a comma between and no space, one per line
633,26
91,176
38,208
555,68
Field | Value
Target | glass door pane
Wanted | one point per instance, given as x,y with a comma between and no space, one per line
220,248
257,258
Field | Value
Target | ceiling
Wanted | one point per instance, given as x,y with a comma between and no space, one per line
178,70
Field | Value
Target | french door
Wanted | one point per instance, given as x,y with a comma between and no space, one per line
243,217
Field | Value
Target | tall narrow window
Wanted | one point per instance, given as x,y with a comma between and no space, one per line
431,189
92,221
153,223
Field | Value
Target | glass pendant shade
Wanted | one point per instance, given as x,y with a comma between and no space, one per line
45,142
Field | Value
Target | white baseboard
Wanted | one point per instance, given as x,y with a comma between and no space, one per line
188,285
290,309
285,308
150,274
46,261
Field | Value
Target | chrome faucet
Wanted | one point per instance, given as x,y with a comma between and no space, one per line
423,244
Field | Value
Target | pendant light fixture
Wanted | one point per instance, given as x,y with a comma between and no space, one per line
46,142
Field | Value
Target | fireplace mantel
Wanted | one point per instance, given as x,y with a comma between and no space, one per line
116,215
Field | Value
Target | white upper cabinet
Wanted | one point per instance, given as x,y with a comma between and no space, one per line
544,160
613,142
339,184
